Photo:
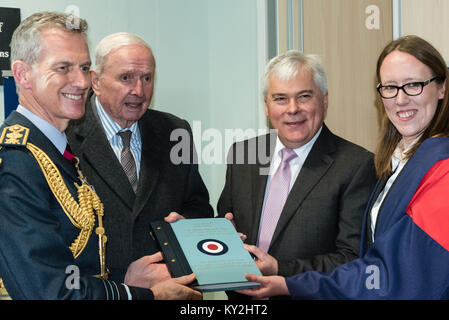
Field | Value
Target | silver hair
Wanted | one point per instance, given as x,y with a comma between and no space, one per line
287,65
26,42
111,42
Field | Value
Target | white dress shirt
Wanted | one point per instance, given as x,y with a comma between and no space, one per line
295,164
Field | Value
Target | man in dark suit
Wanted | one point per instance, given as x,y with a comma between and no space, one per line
51,233
156,186
303,211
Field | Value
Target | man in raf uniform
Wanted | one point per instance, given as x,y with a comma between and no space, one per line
52,240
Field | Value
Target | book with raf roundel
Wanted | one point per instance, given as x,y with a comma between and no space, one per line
209,247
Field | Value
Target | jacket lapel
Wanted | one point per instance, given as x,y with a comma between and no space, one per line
367,235
258,191
315,167
149,165
100,156
259,177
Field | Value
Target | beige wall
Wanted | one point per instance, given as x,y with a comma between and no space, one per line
337,31
428,19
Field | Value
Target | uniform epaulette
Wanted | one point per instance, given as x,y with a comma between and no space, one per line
15,135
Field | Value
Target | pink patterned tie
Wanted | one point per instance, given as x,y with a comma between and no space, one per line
276,197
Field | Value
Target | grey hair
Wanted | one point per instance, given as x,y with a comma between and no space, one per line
111,42
287,66
26,42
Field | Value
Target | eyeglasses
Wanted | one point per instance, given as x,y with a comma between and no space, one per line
410,89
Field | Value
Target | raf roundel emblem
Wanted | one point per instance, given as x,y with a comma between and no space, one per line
212,247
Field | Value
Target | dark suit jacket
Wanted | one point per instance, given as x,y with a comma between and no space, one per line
321,222
35,232
163,186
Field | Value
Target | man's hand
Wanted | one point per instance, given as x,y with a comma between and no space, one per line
146,271
176,289
230,217
173,216
267,264
269,287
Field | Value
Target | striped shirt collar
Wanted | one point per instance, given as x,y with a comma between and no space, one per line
110,126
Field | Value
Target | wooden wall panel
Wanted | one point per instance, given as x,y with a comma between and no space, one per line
337,30
428,19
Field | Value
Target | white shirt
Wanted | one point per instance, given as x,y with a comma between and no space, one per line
295,164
